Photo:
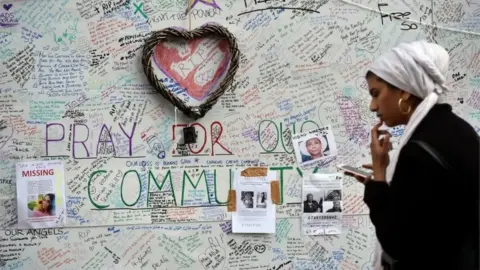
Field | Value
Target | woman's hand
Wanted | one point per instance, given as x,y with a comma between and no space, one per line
379,149
359,178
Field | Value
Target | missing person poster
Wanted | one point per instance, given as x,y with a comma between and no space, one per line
40,194
322,204
255,209
314,145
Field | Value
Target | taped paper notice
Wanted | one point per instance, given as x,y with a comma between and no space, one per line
40,194
314,145
322,205
256,212
232,201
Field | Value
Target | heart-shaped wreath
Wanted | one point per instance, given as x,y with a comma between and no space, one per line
205,31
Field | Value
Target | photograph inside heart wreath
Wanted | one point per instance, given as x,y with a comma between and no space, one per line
191,69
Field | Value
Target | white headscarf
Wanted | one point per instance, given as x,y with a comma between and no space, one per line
419,68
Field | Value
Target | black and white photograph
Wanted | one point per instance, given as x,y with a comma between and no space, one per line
314,145
313,201
247,199
261,200
322,203
333,201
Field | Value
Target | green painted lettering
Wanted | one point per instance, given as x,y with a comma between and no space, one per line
155,180
309,121
88,189
139,184
215,186
301,173
185,175
281,138
281,169
260,136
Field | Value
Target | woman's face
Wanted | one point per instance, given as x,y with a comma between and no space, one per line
336,204
314,146
248,196
385,102
46,202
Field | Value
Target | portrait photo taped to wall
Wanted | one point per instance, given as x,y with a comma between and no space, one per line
247,199
314,145
333,201
261,200
322,204
40,194
313,200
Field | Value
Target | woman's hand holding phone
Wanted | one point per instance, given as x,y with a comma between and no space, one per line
379,149
361,179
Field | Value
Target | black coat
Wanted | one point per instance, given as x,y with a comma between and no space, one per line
422,218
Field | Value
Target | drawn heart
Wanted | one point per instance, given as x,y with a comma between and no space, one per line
260,248
198,67
370,44
7,6
213,258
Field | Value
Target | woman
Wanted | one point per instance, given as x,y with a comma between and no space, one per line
262,200
336,206
314,148
414,223
312,206
248,200
45,207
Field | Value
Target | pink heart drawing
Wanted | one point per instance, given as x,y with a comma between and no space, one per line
196,65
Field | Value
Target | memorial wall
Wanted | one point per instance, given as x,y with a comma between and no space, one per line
73,88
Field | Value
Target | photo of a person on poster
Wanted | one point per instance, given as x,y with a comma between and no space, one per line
247,199
333,201
310,205
314,148
43,206
314,145
261,200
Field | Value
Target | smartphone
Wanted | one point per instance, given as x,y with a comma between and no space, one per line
354,170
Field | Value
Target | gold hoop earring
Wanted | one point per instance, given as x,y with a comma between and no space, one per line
400,107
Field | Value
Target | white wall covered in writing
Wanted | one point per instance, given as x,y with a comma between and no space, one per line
71,76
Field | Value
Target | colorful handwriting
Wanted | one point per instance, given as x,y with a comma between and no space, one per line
101,142
216,130
69,34
269,131
185,176
139,8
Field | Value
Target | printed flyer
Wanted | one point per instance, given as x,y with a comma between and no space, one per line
256,212
314,145
40,194
322,204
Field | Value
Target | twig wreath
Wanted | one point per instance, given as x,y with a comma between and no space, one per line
204,31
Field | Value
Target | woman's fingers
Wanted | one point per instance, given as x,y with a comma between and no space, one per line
375,130
386,143
359,178
367,166
383,132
